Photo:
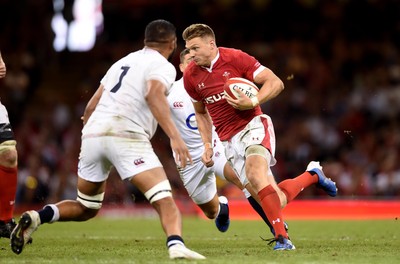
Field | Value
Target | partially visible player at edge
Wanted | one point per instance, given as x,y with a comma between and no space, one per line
8,167
246,133
119,121
199,180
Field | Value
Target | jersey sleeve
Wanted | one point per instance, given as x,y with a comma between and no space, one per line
250,65
190,87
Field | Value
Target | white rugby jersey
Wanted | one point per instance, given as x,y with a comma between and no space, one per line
122,109
3,115
185,119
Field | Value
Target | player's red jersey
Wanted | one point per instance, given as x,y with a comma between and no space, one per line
208,86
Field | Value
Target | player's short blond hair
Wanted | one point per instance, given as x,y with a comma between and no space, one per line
197,30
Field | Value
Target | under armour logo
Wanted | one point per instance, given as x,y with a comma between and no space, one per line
255,138
201,85
137,162
276,221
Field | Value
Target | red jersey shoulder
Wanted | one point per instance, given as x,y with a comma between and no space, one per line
230,54
244,63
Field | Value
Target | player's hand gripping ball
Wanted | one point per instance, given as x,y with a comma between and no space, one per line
247,87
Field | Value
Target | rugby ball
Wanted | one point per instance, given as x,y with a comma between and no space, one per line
244,85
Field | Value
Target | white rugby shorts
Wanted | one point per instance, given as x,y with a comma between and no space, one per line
199,180
128,156
259,131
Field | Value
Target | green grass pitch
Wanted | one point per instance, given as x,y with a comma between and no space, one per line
141,240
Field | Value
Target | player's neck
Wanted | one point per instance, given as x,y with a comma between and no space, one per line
213,58
163,51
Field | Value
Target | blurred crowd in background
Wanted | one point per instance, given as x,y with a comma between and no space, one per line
339,60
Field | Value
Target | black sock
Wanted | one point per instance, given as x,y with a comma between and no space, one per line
173,240
46,214
257,207
223,211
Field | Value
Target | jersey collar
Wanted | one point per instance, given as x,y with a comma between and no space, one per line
209,69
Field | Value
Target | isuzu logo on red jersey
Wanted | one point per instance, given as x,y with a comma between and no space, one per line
214,98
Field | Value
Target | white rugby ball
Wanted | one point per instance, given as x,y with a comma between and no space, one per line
247,87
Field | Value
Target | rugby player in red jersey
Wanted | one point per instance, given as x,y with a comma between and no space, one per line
245,131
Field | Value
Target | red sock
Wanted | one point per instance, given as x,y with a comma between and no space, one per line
272,208
292,187
8,189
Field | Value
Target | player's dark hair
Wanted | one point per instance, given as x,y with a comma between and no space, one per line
159,31
183,54
197,30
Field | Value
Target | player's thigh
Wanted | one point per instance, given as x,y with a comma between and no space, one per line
132,157
147,179
257,171
231,176
94,165
211,207
199,181
91,188
259,131
219,159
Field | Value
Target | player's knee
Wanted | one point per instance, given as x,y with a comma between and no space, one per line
211,213
159,191
231,176
282,199
8,154
91,204
211,208
88,214
253,168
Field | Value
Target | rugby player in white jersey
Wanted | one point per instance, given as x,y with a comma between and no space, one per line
119,121
198,179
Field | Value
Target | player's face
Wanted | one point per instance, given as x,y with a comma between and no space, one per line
186,59
203,50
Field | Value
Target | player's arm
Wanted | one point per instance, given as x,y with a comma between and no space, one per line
204,125
272,85
3,69
92,104
159,107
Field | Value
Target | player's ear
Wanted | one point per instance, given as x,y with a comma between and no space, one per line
174,44
212,43
181,67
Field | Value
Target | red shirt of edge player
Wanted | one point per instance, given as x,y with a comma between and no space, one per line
246,133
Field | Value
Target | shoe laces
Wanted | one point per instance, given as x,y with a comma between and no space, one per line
275,239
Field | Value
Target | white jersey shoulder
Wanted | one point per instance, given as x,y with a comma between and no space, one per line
122,107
